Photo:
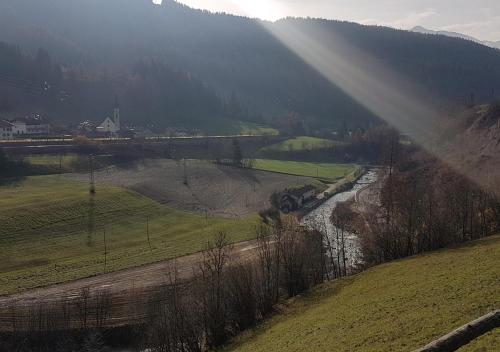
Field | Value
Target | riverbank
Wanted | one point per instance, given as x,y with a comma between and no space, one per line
335,188
319,217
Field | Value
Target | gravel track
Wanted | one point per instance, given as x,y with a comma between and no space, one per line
130,288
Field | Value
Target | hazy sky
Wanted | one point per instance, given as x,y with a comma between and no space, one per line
479,18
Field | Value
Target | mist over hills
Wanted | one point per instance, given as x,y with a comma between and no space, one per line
173,65
420,29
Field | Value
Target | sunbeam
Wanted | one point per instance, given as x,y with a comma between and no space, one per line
392,97
382,91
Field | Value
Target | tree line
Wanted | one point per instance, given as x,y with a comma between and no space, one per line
425,205
151,94
236,54
227,294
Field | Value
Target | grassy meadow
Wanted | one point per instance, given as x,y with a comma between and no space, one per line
323,171
399,306
253,129
55,164
53,161
301,143
52,231
487,342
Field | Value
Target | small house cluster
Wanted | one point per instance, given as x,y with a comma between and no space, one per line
293,199
111,127
27,127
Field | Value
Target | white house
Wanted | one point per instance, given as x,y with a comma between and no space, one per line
6,129
111,125
30,127
19,128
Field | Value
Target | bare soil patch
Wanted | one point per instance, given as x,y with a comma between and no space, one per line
213,189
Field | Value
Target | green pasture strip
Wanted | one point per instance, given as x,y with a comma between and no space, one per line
323,171
399,306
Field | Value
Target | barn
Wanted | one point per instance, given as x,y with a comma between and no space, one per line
294,199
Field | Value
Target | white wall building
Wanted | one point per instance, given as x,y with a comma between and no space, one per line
6,129
19,128
30,127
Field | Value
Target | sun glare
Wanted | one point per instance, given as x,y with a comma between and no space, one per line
263,9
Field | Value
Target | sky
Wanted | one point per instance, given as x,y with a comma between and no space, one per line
478,18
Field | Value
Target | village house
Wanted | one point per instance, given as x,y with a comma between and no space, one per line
294,199
30,127
6,129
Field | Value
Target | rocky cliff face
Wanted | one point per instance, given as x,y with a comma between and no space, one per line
475,151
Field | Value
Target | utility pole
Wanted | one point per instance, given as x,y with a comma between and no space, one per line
185,173
105,249
147,233
91,175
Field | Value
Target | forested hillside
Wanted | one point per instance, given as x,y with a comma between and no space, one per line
151,93
170,64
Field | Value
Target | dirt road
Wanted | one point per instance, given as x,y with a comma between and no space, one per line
125,287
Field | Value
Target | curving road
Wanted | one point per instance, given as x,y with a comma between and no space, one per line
124,287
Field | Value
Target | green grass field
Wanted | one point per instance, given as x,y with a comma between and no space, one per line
55,164
399,306
46,234
301,143
485,343
229,126
322,171
253,129
55,161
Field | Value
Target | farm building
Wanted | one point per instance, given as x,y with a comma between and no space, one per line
294,199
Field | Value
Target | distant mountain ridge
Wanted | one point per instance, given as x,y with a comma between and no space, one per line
112,42
423,30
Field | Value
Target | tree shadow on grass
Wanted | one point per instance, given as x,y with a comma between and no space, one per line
11,181
249,175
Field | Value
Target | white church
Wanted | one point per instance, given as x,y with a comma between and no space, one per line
109,125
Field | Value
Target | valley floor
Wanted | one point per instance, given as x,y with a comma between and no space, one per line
199,186
399,306
52,231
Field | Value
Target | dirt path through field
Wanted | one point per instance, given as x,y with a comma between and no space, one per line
123,286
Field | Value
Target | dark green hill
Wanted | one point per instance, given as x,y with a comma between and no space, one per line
237,56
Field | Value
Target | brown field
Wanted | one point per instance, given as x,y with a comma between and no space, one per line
213,189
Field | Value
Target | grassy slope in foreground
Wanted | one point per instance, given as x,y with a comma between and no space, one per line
398,306
44,235
324,171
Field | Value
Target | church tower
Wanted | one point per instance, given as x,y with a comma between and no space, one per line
116,115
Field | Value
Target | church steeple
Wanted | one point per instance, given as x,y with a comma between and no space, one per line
116,114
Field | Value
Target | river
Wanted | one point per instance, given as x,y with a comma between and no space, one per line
319,218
